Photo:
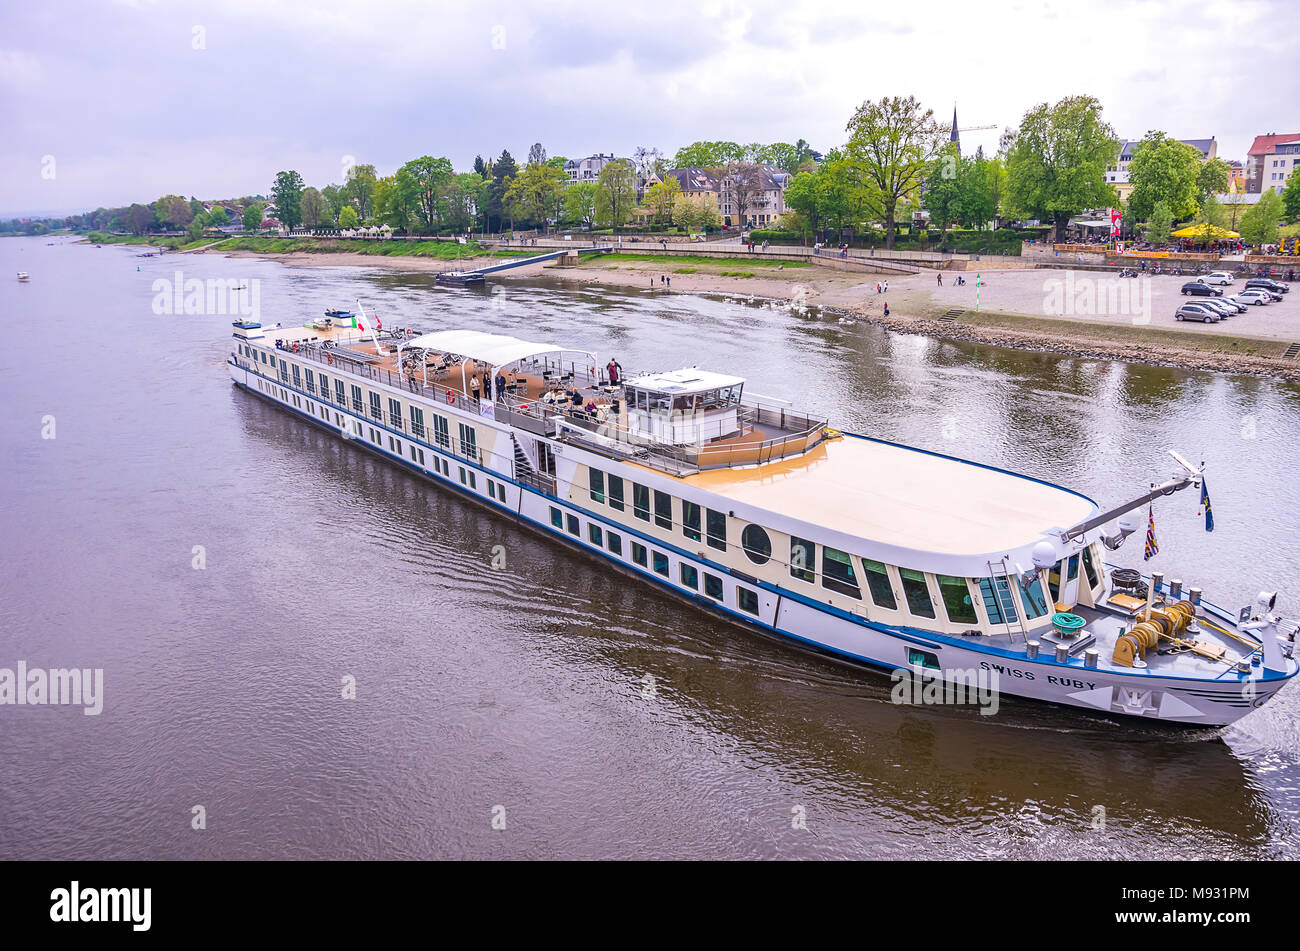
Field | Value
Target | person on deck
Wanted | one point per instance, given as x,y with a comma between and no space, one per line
614,371
474,387
501,385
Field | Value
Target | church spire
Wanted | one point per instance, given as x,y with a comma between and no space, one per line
955,137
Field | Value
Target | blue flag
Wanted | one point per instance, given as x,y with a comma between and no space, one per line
1205,505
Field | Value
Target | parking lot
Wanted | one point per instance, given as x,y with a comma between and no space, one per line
1095,296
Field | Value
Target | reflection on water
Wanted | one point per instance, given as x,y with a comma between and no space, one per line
607,718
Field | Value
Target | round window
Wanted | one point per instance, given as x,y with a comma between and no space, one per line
756,544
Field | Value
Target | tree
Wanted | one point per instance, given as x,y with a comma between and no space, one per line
1160,223
287,195
943,189
314,211
1212,179
646,161
1291,195
360,189
428,176
580,203
536,154
742,184
1259,223
616,193
480,167
253,216
696,213
180,213
532,192
348,217
890,142
503,170
661,198
803,196
139,218
395,201
710,155
335,199
1164,169
1057,160
981,184
461,199
217,217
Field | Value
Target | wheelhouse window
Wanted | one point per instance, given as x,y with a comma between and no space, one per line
691,520
663,510
717,529
616,492
917,592
1031,596
640,501
957,600
998,602
882,592
837,572
756,544
596,484
1090,569
803,559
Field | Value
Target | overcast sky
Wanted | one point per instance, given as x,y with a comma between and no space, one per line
105,102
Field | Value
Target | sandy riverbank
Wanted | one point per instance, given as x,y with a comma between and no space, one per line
1250,343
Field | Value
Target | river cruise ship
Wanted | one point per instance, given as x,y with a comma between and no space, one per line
920,564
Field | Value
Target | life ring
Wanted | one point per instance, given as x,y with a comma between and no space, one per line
330,358
451,397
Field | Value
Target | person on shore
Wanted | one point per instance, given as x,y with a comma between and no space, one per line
886,308
939,278
670,282
886,287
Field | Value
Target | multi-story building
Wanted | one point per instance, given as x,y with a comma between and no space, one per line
1279,166
764,198
1263,163
588,169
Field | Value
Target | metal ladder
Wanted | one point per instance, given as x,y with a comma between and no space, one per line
1013,585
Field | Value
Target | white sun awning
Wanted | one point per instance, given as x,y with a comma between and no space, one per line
496,349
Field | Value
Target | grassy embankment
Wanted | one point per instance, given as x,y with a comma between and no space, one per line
695,263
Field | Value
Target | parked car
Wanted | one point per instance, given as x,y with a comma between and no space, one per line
1238,300
1199,288
1256,296
1197,311
1277,287
1223,306
1218,277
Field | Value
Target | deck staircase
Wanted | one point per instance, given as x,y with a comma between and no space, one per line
1001,574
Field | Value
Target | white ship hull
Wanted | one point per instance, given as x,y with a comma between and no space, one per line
1137,693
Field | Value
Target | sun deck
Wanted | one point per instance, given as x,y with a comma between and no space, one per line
903,497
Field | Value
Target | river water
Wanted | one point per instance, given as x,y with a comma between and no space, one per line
589,716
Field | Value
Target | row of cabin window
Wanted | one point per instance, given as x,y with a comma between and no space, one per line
441,435
656,561
651,504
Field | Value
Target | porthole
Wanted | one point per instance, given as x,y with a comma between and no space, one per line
758,547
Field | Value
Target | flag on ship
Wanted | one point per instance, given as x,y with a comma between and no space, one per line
1151,547
1205,507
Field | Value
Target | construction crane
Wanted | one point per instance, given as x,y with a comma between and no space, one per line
977,128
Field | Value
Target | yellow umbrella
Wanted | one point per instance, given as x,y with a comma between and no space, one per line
1204,231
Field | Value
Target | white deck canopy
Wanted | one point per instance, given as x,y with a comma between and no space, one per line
497,349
